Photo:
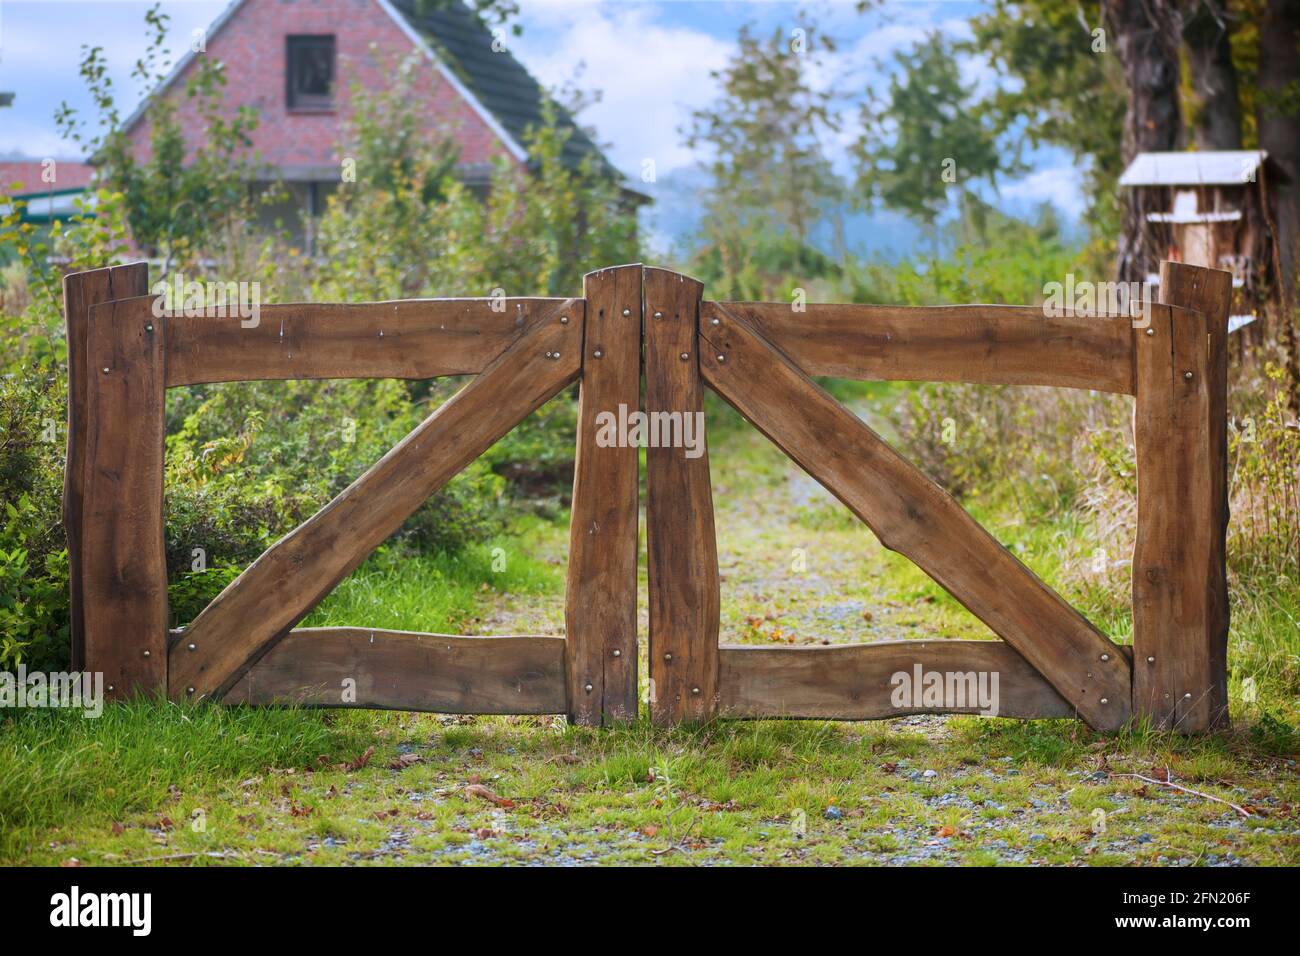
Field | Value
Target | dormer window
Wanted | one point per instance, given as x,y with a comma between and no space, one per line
310,72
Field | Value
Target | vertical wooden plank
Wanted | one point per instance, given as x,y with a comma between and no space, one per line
1209,292
1174,680
601,590
682,549
124,571
81,290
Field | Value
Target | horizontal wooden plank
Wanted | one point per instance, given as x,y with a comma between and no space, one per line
988,344
869,681
410,339
403,670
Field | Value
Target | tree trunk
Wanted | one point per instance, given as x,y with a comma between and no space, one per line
1217,123
1279,126
1145,36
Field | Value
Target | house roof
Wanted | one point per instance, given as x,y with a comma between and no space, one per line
495,84
1234,167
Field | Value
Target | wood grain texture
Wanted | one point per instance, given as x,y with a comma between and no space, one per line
991,344
411,339
401,670
915,517
81,290
278,589
601,591
858,682
1209,292
682,549
1176,682
123,564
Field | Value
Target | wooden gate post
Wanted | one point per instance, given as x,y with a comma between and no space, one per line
123,567
600,593
682,549
81,290
1180,608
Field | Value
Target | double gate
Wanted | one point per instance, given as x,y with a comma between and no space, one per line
636,323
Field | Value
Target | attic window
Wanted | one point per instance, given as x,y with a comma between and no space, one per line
310,72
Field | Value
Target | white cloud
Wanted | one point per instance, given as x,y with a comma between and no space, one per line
1061,185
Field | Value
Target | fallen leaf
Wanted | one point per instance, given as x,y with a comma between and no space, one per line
650,829
165,823
360,761
405,760
71,861
478,790
945,831
484,832
118,829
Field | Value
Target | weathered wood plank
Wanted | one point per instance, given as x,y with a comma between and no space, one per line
863,682
1209,292
681,547
402,670
123,563
410,339
278,589
601,592
990,344
81,290
1179,653
915,517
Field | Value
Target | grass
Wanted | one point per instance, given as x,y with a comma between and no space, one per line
159,782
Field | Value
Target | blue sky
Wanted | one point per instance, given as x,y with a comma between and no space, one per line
650,61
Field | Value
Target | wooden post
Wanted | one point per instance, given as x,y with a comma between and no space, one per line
1179,576
682,549
601,590
81,290
123,567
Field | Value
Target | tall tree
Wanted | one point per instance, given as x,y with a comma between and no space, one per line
1145,34
1216,110
1277,118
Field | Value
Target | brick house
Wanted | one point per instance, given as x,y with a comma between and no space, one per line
295,60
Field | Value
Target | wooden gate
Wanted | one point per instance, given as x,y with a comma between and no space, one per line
632,322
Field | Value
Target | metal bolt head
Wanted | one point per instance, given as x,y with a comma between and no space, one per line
106,370
564,320
685,356
659,315
721,359
110,688
1187,696
715,321
191,647
1188,376
555,355
1105,701
146,653
189,690
1151,331
617,652
1105,657
626,313
695,690
668,657
597,354
1151,660
149,328
587,688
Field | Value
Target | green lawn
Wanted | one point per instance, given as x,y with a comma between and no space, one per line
154,781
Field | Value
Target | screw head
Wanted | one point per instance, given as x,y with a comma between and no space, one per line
1187,696
1105,657
685,356
659,315
189,690
145,653
721,359
564,320
668,657
106,370
110,688
715,321
627,312
554,356
587,688
191,647
1105,701
597,354
1151,660
1188,376
149,328
695,690
617,652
